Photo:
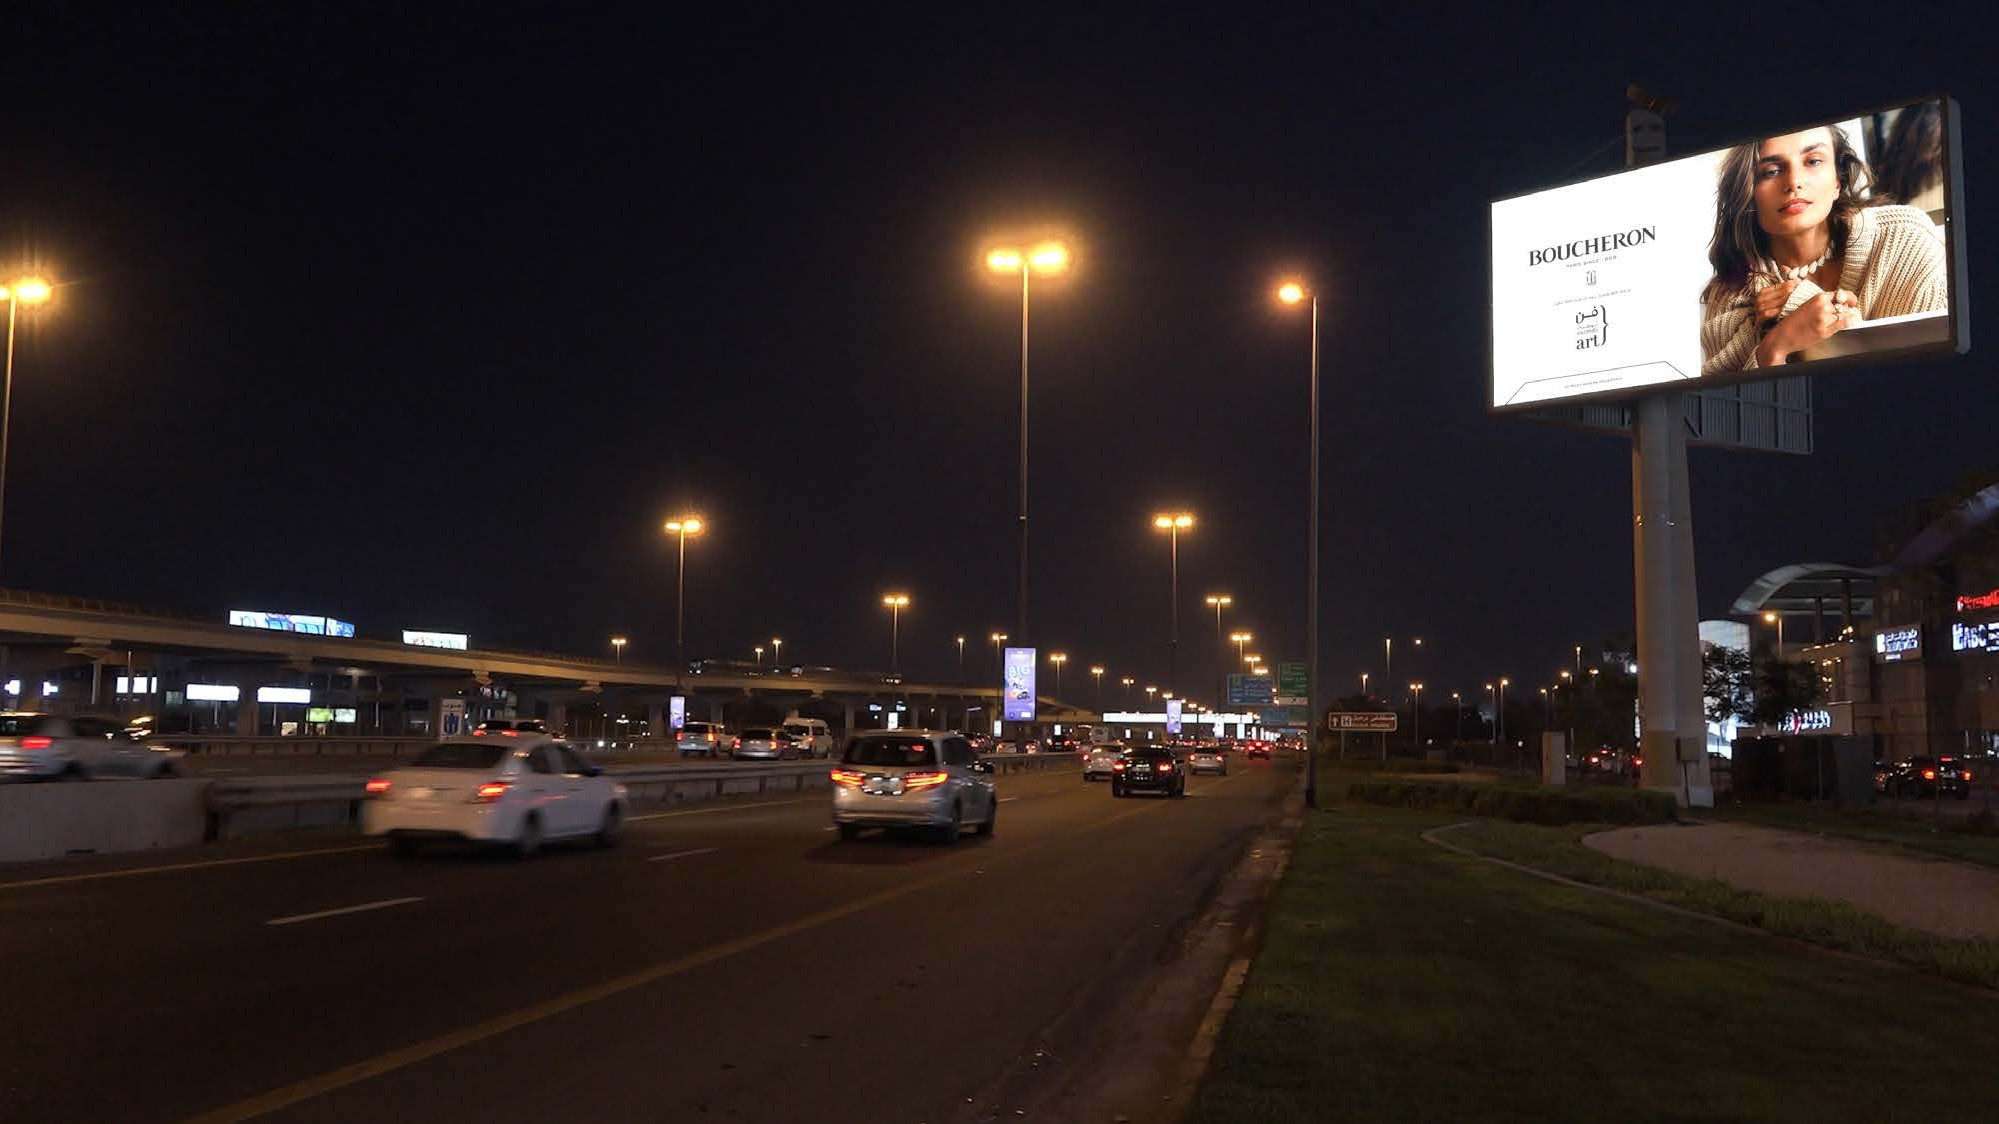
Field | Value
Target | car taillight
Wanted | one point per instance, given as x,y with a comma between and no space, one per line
1929,774
924,780
1967,774
378,786
1166,766
847,777
36,741
510,733
478,733
490,791
737,744
1117,766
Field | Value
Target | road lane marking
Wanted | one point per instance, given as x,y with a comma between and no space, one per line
363,908
386,1063
1008,799
683,854
60,879
711,811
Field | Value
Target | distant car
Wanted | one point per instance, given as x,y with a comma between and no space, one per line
1148,769
814,737
1208,761
1256,751
764,743
1100,763
518,792
914,779
981,743
700,739
35,746
1923,777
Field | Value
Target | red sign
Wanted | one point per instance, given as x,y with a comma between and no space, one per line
1982,601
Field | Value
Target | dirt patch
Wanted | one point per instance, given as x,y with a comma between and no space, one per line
1939,896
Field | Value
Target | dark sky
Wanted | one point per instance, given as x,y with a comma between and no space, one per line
426,317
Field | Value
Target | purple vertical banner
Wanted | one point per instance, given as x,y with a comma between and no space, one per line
1173,711
1019,684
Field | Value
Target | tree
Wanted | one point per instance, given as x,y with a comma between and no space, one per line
1726,682
1782,688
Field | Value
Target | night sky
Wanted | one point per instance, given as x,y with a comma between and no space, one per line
426,317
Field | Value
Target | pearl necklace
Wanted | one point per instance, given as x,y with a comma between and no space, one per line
1799,273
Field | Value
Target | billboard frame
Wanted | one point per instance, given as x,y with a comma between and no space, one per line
1956,266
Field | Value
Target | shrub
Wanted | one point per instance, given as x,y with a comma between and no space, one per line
1528,805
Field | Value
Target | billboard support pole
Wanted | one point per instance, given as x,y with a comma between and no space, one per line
1672,729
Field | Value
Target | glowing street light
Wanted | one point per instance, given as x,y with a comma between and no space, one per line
759,650
1418,688
30,291
618,646
896,603
1097,673
1047,259
1218,602
776,651
1173,522
682,527
1126,683
1058,659
1294,293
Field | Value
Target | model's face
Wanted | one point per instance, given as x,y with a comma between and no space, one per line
1796,182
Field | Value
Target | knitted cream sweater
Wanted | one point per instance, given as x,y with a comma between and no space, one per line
1894,262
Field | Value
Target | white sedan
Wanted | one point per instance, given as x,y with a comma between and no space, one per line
1100,762
514,789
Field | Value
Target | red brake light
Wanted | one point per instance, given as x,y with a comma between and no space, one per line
478,733
510,733
737,744
1967,774
924,780
379,786
491,791
1166,766
1929,774
36,741
847,777
1117,766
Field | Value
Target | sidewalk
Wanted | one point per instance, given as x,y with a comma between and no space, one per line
1950,899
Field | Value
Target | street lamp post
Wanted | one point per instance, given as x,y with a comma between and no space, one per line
30,291
682,528
961,659
1457,717
1570,680
1126,682
896,603
1418,688
1768,618
1495,720
999,677
759,650
1097,673
1503,684
618,646
776,652
1218,602
1173,523
1363,684
1046,258
1058,659
1292,292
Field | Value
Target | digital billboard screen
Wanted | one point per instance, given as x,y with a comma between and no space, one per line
1833,241
1175,710
1018,684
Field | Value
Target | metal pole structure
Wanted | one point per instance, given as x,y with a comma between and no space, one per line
1312,583
1020,614
1173,615
894,638
1418,708
7,399
680,617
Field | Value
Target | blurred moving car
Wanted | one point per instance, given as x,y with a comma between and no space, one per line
700,739
763,743
1927,777
1148,769
813,735
36,746
1256,751
518,791
1099,764
1210,760
924,779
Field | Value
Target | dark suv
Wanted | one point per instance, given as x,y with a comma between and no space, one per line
1148,769
1922,777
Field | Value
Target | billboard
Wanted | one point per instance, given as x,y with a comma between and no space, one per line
457,641
1894,644
1018,684
676,713
290,622
1173,714
1835,241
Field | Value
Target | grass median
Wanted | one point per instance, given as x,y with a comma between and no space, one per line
1400,981
1972,841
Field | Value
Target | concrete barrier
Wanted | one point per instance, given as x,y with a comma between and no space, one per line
49,821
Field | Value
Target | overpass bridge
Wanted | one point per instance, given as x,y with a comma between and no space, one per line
193,675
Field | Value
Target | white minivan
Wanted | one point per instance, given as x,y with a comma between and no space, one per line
813,735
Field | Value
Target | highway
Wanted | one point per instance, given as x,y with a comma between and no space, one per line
730,961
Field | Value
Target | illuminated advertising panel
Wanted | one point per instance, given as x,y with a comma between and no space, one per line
1173,715
295,695
1986,600
1892,645
676,712
290,622
453,640
1832,241
1018,684
1982,637
213,692
319,714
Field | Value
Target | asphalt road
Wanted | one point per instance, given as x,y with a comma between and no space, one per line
728,962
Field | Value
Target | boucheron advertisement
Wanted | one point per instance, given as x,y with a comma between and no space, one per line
1766,258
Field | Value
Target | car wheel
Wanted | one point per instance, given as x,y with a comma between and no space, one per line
948,834
1117,790
72,772
1180,790
991,820
850,831
166,772
528,842
609,830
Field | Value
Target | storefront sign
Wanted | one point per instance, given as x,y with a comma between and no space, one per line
1806,722
295,695
1987,600
1981,637
213,692
1894,644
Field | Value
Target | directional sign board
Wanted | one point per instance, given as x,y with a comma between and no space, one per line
1292,684
1371,721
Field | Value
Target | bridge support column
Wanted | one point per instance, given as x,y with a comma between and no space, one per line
847,718
247,713
656,720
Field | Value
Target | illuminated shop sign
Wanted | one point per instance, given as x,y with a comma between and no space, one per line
1986,600
290,622
213,692
1982,637
453,640
1894,644
330,714
297,695
1806,721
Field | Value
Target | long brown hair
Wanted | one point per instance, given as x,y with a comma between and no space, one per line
1739,246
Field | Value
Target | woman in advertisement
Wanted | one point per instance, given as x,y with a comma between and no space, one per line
1799,255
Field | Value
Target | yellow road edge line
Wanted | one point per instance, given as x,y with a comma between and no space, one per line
381,1064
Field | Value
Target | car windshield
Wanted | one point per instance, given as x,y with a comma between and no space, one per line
890,751
14,725
459,755
757,732
697,729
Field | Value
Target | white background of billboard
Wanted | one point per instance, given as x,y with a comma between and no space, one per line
1650,292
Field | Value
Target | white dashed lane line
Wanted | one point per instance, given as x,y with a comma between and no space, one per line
683,854
363,908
